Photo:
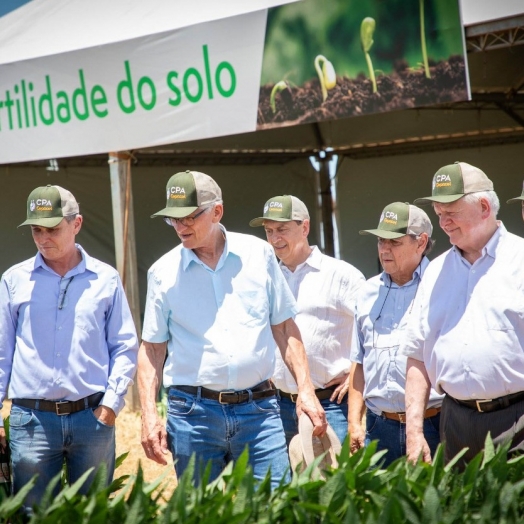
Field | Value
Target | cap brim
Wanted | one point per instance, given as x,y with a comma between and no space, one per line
442,199
42,222
260,221
516,199
381,233
175,212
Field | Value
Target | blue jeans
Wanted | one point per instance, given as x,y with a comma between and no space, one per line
336,415
219,433
40,441
391,435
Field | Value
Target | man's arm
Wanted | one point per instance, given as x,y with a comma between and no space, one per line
289,341
356,408
417,396
151,358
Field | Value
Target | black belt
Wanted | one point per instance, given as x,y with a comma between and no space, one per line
491,404
60,407
322,394
262,390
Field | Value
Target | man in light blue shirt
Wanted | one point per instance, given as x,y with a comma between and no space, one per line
216,304
384,304
68,350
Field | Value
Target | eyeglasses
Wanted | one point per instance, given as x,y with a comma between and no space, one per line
63,293
186,221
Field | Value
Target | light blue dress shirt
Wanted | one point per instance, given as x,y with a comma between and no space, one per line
64,338
217,324
382,312
468,321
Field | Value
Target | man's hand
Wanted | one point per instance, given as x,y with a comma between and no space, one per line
417,447
357,437
105,415
342,388
3,441
154,439
308,403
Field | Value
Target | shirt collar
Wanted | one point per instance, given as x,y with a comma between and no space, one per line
85,264
231,246
417,274
314,260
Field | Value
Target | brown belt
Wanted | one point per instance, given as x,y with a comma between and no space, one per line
262,390
60,407
401,417
322,394
491,404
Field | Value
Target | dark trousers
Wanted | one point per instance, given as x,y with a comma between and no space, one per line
462,427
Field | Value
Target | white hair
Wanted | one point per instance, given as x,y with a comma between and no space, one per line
490,196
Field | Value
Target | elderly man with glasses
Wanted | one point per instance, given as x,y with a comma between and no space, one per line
384,304
216,304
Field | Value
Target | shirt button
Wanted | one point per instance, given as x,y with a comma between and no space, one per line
58,354
60,327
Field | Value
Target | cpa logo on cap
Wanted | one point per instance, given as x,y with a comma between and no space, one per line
32,205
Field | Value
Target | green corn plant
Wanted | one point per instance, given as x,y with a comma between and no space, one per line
280,86
326,75
423,39
367,28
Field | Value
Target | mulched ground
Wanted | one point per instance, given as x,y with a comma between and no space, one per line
404,88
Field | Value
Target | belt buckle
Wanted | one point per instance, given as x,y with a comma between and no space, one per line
293,397
478,402
57,407
226,392
402,418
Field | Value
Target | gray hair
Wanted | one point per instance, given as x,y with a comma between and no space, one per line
490,196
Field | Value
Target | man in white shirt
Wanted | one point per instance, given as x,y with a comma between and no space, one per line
466,333
518,199
325,289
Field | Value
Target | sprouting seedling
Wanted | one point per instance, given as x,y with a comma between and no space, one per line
367,28
423,39
280,86
326,75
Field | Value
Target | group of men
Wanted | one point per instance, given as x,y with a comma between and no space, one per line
430,351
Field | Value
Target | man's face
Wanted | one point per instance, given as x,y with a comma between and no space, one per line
57,243
401,256
201,233
462,221
288,239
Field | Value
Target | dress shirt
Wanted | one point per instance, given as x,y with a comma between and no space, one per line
382,311
468,321
325,289
217,323
64,338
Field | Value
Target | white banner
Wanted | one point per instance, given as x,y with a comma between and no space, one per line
192,83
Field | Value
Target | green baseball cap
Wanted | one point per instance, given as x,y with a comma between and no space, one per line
282,209
454,181
399,219
186,192
516,199
48,205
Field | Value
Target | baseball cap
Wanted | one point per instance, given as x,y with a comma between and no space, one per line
282,209
48,205
186,192
516,199
454,181
399,219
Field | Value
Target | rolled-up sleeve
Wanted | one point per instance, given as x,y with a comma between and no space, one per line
7,338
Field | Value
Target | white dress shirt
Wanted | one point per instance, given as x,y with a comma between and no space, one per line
467,324
325,289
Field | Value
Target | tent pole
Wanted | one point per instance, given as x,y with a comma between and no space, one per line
125,242
326,203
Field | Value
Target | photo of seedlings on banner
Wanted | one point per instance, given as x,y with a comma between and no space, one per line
340,58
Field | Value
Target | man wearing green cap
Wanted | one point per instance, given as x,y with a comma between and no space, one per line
325,290
384,304
466,334
217,303
518,199
68,350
